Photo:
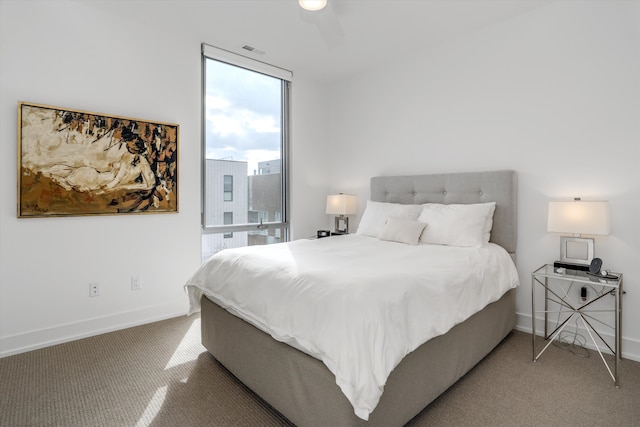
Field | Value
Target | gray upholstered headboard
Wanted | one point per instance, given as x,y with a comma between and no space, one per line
472,187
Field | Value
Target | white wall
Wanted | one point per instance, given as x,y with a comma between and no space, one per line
71,54
554,95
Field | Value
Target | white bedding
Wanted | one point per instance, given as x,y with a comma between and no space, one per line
357,303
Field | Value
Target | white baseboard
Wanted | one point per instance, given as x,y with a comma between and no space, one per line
630,347
33,340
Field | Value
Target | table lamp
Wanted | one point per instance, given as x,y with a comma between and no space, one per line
578,217
341,205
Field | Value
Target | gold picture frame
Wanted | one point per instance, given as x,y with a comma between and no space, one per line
76,163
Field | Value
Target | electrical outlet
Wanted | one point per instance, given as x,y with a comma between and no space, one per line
94,289
136,283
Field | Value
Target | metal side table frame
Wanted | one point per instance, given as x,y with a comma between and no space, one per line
577,309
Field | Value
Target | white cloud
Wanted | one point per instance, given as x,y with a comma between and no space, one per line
264,124
217,102
242,114
240,122
224,124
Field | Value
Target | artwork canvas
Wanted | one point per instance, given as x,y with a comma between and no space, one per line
74,162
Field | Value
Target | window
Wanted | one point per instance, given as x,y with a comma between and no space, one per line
228,220
245,111
228,190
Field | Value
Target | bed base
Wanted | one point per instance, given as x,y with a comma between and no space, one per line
304,390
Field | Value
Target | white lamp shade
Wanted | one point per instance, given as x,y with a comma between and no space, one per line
341,204
579,217
312,5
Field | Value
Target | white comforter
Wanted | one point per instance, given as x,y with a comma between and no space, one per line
357,303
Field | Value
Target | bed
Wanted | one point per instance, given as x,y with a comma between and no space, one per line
293,379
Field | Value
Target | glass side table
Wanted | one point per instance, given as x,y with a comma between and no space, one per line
562,300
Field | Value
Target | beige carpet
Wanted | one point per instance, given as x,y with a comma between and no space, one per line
160,375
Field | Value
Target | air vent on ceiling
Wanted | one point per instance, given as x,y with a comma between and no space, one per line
253,49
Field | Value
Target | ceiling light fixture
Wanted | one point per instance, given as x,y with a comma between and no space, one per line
312,5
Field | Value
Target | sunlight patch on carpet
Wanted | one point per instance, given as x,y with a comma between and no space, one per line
189,348
153,407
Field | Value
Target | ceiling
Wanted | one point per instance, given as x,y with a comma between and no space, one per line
347,37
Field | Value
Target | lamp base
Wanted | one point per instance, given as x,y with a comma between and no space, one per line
570,266
342,225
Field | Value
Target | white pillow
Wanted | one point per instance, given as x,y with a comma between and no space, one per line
376,213
402,230
457,225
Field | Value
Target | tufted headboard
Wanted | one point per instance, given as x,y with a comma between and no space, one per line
471,187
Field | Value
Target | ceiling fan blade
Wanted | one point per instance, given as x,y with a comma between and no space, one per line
330,29
326,20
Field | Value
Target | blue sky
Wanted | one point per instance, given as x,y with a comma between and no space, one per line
242,114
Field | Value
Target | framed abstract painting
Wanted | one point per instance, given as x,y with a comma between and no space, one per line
73,163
